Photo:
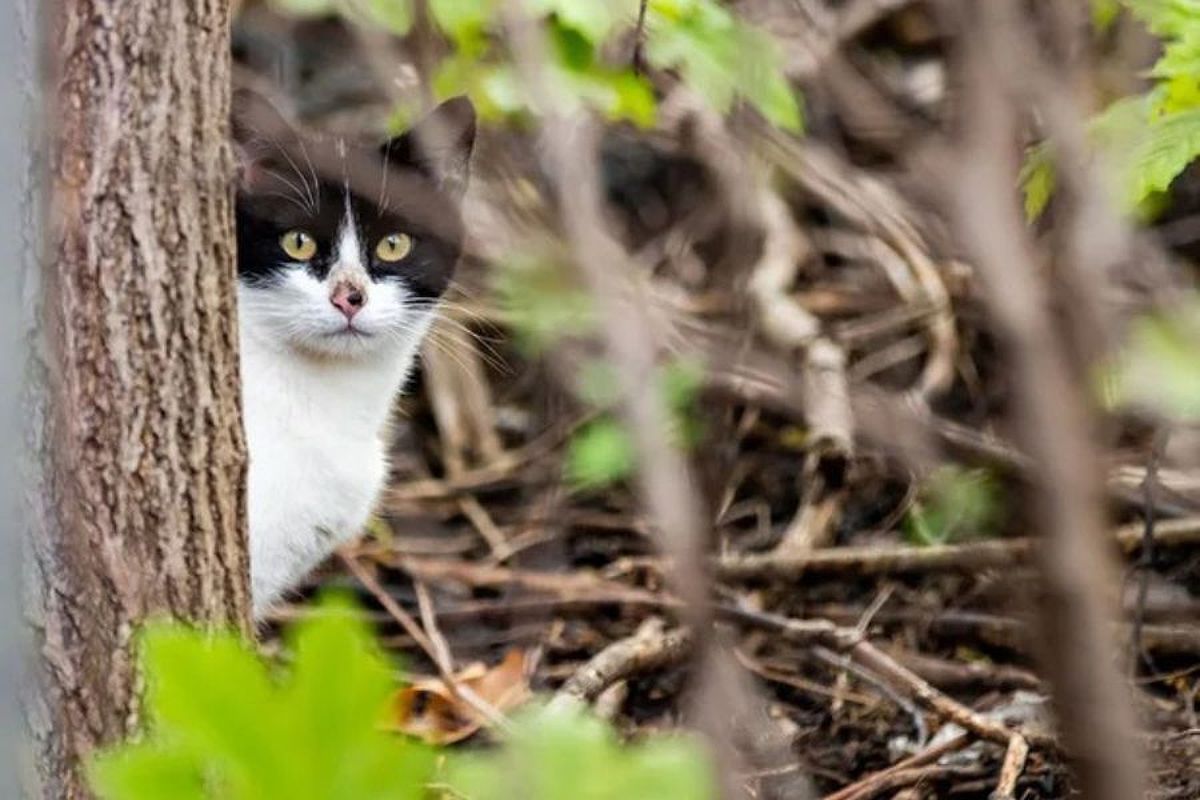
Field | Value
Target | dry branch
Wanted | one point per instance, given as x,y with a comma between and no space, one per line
651,647
851,642
1011,769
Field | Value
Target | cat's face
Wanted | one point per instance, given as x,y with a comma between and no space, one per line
344,250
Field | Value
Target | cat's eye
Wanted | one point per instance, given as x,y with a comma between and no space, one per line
393,247
298,245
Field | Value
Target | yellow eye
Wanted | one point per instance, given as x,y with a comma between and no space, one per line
393,247
298,245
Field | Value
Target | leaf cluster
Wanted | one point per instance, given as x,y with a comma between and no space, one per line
1146,140
223,724
715,53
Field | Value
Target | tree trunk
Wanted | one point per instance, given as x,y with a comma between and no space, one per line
140,497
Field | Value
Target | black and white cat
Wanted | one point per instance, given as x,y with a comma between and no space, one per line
343,254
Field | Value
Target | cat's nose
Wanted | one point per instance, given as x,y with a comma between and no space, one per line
348,299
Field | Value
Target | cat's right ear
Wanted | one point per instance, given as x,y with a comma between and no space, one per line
258,130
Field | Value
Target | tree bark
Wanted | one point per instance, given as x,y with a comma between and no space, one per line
140,495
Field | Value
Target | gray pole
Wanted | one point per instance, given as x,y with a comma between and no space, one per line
21,231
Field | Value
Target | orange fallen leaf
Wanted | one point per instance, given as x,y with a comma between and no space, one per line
430,710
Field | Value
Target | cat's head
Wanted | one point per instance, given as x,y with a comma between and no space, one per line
344,249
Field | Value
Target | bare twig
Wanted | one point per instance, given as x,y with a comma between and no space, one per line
1146,557
850,642
439,657
651,647
899,774
1011,769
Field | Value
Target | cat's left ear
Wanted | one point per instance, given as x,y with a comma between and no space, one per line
439,145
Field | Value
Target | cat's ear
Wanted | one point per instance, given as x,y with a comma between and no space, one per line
439,145
258,130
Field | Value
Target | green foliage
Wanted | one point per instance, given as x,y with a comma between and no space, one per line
562,754
954,504
1166,17
1104,13
306,8
223,726
1037,180
1146,140
599,454
719,55
395,16
540,302
1159,369
602,453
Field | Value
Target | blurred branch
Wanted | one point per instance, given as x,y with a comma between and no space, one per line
664,478
1054,419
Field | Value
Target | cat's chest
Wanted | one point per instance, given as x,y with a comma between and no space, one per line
316,445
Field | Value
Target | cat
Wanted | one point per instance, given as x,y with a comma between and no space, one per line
344,251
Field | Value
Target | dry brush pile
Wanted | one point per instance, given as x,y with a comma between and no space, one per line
795,439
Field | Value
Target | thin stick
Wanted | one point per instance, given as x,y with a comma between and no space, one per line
1146,559
464,693
639,41
878,782
650,648
1011,769
428,618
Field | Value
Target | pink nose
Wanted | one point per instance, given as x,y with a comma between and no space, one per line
348,299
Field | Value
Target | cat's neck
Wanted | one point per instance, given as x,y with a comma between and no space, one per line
354,396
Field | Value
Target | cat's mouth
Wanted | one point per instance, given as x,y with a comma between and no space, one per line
350,332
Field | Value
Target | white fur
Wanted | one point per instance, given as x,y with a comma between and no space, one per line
317,398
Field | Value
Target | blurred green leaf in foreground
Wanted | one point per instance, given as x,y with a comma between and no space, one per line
559,753
222,725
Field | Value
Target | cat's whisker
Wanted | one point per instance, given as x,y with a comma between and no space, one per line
309,190
289,198
383,182
302,196
316,179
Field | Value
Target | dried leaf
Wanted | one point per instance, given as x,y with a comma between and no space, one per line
430,710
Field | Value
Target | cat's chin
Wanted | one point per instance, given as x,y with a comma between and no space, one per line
347,344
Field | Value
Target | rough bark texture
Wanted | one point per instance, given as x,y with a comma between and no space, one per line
140,499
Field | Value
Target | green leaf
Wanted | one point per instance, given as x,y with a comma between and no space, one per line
564,754
595,20
574,51
633,99
463,20
763,84
680,383
1104,14
305,8
721,57
954,504
238,729
1037,181
1166,17
1159,368
394,15
599,454
1180,57
222,727
1170,143
147,771
541,302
